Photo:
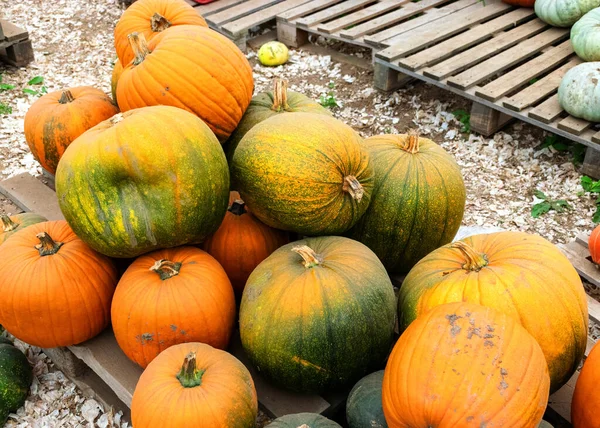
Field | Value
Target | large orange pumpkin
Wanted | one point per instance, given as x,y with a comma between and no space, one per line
585,407
465,365
594,245
58,118
193,68
114,79
242,242
150,17
56,291
172,296
193,384
521,275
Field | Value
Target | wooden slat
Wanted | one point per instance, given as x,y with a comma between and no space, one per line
217,6
239,11
547,111
305,9
30,194
361,15
596,137
574,125
12,33
331,12
243,24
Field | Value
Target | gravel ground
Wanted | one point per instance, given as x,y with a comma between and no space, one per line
73,43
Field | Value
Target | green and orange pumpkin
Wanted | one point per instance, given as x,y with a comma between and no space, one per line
14,223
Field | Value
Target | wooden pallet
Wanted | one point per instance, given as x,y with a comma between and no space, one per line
15,46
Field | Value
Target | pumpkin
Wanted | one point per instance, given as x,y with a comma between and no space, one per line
585,403
303,420
545,424
318,314
578,91
15,223
16,376
585,37
217,84
417,202
364,407
58,118
194,382
114,80
56,291
521,275
594,245
172,296
267,104
150,18
304,172
149,178
563,13
465,365
522,3
242,242
273,53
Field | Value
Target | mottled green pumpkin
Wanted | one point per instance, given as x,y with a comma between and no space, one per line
579,91
563,13
304,172
15,379
364,407
303,420
417,202
154,177
585,36
318,314
14,223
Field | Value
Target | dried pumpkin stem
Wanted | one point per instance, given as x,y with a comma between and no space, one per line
280,95
475,261
238,207
311,259
166,268
411,144
139,46
159,23
66,97
189,376
353,186
47,245
7,224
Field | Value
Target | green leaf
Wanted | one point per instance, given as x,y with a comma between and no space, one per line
5,109
37,80
540,195
561,147
539,209
331,85
587,183
560,205
596,217
29,91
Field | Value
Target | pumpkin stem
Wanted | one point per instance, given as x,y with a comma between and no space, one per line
411,144
353,186
139,46
280,95
166,268
66,97
159,23
7,223
311,259
189,376
47,245
238,207
475,261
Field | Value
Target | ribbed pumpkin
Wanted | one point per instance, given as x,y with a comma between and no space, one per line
563,13
585,406
364,407
218,82
585,36
578,92
318,314
594,245
15,223
149,178
150,17
303,420
242,242
58,118
193,384
114,79
304,172
15,379
465,365
417,202
521,275
56,291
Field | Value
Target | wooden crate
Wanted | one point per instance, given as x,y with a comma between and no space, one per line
15,46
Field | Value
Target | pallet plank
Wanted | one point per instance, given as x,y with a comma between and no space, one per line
360,16
237,27
30,194
574,125
306,9
12,33
331,12
596,137
547,111
239,11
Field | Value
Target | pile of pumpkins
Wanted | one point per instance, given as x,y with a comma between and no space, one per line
193,207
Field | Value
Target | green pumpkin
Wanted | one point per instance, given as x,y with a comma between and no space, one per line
544,424
417,203
14,223
149,178
585,36
364,407
563,13
303,420
16,376
579,92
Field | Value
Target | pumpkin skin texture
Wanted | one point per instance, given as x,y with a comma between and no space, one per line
16,376
242,242
545,424
164,170
364,407
585,403
219,392
220,91
15,223
521,275
200,306
563,13
63,293
522,3
304,172
58,118
594,245
585,36
417,203
465,365
151,17
114,79
579,92
305,420
303,305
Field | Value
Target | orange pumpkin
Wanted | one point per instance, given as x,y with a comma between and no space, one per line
114,79
465,365
217,84
242,242
193,384
56,291
150,17
585,406
594,245
172,296
58,118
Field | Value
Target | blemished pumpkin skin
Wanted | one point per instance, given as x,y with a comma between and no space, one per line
318,314
194,384
14,223
304,172
151,17
521,275
586,403
579,92
56,290
585,36
56,119
303,420
594,245
16,376
114,79
465,365
522,3
417,203
149,178
545,424
563,13
219,91
364,407
242,242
